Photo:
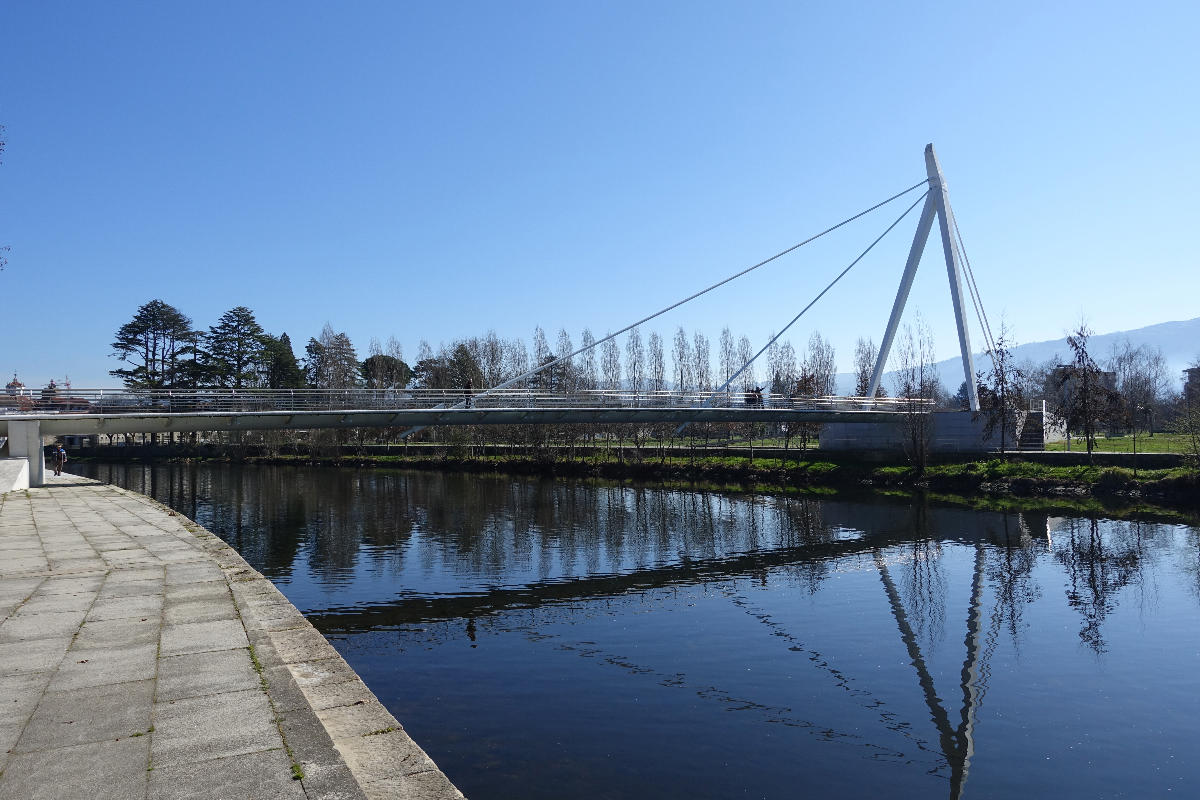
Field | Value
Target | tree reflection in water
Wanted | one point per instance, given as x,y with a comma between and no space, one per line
441,558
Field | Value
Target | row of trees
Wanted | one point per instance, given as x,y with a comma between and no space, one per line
640,365
1127,392
161,349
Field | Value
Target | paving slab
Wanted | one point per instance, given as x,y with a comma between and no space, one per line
111,768
258,775
214,726
83,668
93,714
199,674
142,657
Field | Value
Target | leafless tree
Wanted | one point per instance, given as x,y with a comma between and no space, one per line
781,367
1002,392
635,362
610,365
1141,380
658,377
587,361
491,359
822,364
541,347
701,361
1081,398
744,353
916,384
569,379
516,357
681,353
865,355
727,356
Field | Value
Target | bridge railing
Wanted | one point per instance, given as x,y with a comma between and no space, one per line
173,401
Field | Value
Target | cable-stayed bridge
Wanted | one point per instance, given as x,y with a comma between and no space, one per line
24,420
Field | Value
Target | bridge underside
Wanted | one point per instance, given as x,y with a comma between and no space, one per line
88,424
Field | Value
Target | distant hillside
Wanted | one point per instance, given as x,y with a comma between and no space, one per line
1179,342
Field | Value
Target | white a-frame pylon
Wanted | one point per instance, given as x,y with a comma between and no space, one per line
936,202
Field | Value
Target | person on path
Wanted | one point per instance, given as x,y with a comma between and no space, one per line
467,392
60,458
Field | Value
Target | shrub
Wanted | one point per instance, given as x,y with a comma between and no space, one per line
1113,478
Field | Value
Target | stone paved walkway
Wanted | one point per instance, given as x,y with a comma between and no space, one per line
140,657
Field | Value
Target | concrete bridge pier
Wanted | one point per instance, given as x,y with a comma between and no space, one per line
25,441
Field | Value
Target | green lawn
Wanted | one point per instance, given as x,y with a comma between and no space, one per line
1158,443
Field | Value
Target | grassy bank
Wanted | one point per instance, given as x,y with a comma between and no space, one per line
994,481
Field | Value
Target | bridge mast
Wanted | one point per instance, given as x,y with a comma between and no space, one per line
937,203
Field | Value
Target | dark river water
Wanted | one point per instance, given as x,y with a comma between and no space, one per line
550,639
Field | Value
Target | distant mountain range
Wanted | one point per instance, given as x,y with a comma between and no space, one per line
1179,342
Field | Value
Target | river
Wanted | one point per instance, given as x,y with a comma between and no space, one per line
554,639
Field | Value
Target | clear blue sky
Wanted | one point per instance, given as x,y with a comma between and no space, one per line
434,170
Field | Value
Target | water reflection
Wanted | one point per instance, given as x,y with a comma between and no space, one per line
864,647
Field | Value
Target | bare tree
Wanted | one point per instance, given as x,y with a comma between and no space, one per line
865,355
541,347
702,362
517,358
727,357
681,353
1002,392
1081,398
744,353
781,368
587,361
610,365
916,385
491,359
787,366
566,366
1141,379
658,377
823,364
635,361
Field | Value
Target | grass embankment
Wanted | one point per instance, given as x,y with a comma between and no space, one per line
1124,443
970,481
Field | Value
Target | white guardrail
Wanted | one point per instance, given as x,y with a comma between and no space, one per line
171,401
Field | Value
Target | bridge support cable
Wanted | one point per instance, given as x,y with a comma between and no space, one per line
976,296
673,306
938,205
811,303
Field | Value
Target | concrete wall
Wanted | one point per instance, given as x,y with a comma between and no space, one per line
949,432
14,474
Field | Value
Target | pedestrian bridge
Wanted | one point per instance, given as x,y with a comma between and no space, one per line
117,411
28,418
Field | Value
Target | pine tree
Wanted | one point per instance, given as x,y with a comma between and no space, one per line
160,344
236,351
280,368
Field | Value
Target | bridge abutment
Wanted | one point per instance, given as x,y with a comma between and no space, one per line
25,441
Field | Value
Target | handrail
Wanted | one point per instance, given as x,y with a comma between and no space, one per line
132,401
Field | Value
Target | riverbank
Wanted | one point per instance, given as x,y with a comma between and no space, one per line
141,656
994,481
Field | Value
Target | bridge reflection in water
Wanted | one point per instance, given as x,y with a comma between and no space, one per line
401,569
